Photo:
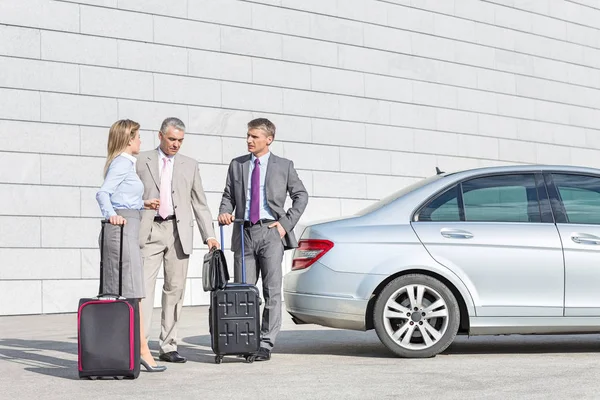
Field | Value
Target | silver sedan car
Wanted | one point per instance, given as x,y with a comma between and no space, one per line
502,250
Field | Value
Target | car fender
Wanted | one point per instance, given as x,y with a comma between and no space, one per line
420,262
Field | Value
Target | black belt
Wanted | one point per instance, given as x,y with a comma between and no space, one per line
158,218
248,224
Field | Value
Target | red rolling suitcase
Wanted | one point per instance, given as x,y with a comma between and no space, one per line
234,316
108,330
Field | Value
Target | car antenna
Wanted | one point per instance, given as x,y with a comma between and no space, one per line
437,171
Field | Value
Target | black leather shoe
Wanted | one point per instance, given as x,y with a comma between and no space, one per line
263,354
173,357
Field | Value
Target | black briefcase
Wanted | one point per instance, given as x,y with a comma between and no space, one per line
234,316
214,271
108,331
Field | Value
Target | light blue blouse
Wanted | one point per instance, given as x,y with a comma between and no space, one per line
122,188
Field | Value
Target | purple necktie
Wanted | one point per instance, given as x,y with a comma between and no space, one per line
255,193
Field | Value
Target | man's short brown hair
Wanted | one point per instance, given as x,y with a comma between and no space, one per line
264,124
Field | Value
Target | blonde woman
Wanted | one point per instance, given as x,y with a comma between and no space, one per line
120,200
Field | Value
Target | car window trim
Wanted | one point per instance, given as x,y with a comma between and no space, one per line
461,202
547,216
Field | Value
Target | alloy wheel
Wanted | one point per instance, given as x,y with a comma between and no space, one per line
415,317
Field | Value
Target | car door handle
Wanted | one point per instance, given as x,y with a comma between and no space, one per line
455,233
585,238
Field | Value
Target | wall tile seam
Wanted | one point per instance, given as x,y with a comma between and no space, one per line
349,19
281,34
391,153
324,144
38,185
386,102
323,40
351,173
346,95
48,280
364,73
317,143
312,196
543,15
44,248
337,67
583,5
501,26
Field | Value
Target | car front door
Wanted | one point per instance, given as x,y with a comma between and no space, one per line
497,232
576,204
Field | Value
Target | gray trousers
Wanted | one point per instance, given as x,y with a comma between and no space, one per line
263,254
164,248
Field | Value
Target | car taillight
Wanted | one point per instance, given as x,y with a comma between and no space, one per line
309,251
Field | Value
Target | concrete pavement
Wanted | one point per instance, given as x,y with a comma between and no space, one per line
38,357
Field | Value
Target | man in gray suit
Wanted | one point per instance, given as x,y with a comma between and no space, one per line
166,235
256,189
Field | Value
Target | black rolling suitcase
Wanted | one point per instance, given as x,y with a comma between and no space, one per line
234,316
108,331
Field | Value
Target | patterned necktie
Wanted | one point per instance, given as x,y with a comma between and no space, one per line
255,193
165,190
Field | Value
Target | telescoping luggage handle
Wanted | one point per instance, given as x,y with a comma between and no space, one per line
241,222
101,289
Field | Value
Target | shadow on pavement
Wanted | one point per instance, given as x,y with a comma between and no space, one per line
316,342
525,344
367,344
32,355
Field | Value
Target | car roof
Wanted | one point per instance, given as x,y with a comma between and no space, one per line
525,168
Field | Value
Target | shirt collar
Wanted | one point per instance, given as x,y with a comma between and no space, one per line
162,155
129,157
264,159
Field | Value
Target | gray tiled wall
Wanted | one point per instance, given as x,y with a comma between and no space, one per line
368,96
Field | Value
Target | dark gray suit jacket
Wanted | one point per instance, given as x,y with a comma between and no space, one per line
280,180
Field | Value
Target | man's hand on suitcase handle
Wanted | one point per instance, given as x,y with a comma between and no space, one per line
226,219
117,220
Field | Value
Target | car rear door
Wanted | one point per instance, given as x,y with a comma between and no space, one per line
497,232
575,201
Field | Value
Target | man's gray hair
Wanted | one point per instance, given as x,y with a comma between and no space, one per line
174,122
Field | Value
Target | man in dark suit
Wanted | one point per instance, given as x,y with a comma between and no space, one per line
256,189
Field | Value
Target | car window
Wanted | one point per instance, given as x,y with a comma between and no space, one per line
502,198
442,208
580,196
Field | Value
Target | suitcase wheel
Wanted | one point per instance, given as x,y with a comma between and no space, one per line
218,359
250,359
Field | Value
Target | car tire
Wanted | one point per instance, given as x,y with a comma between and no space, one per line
416,316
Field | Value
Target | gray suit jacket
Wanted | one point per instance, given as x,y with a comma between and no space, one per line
188,195
280,180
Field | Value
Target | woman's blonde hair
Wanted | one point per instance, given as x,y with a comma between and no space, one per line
119,136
